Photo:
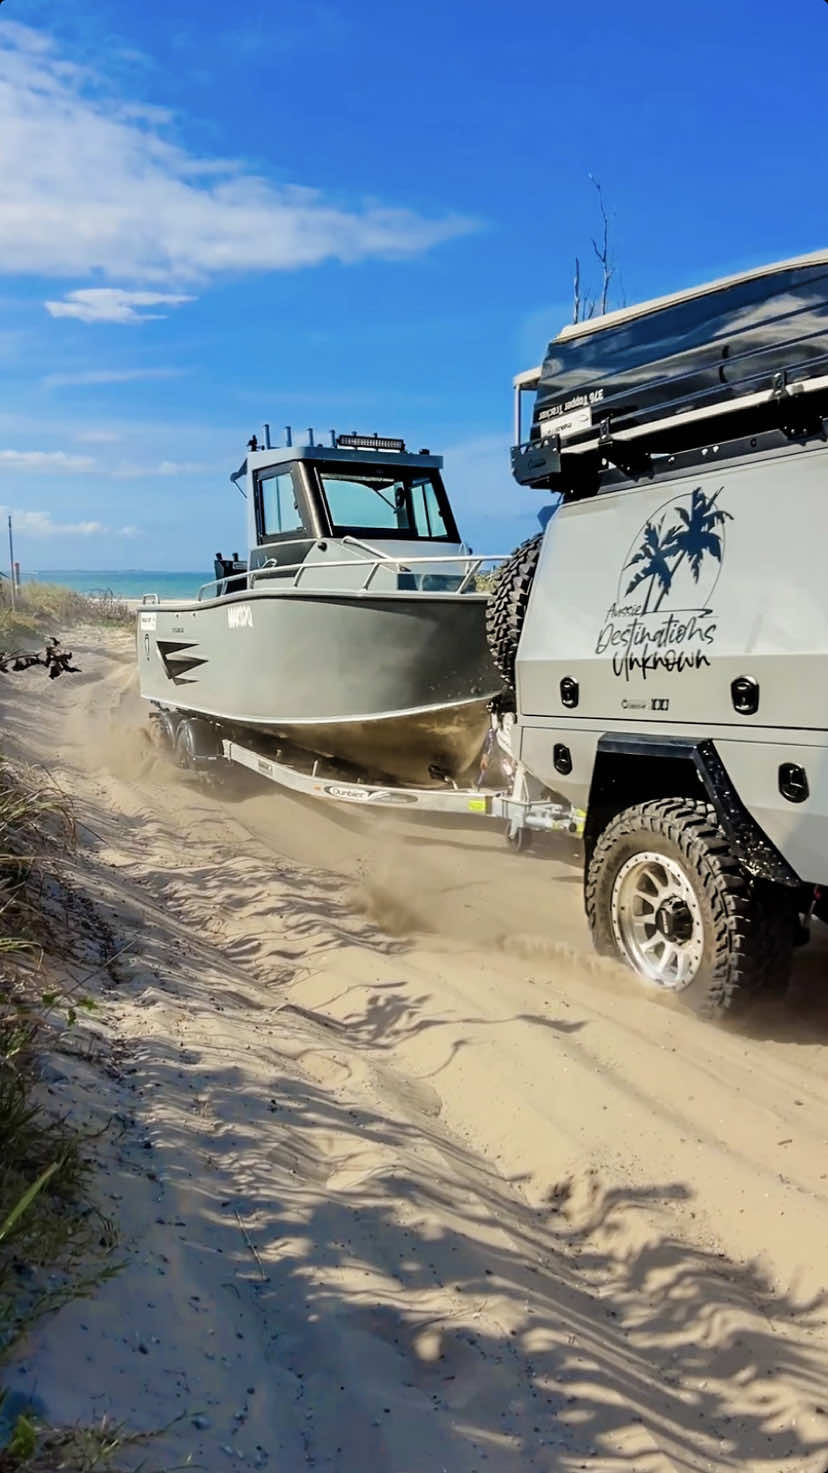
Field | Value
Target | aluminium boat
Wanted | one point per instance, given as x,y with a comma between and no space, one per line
354,629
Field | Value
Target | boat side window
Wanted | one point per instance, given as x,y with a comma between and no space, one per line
280,514
427,513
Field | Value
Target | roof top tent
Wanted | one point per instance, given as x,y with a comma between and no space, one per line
743,355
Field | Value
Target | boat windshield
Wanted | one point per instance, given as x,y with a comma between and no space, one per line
408,504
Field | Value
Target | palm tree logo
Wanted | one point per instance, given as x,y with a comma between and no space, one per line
653,554
663,549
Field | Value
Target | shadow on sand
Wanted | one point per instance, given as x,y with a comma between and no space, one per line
556,1337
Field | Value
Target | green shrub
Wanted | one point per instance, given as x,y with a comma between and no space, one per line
43,609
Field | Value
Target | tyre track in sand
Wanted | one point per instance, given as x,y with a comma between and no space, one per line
609,1219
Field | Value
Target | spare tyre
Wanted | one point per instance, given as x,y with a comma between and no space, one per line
506,608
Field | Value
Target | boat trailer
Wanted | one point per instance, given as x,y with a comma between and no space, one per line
525,806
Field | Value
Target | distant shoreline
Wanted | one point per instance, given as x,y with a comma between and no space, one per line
129,584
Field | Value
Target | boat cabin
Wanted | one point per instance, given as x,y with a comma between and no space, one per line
359,499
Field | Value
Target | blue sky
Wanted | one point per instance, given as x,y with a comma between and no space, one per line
353,215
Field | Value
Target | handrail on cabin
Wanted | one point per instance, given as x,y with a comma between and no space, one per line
470,562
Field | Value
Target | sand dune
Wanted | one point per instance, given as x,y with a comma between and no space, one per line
410,1181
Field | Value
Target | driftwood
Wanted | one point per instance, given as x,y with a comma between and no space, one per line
54,659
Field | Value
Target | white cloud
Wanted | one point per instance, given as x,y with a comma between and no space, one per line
129,470
61,461
490,506
40,524
95,376
112,304
479,476
44,460
103,189
97,437
181,468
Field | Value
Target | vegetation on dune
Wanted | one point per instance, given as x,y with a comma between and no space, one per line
37,1449
43,610
42,1219
54,1245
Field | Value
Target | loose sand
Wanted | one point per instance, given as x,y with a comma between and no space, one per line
408,1181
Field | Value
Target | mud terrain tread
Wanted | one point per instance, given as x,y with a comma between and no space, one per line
753,921
507,605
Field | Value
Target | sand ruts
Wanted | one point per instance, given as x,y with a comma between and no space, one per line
408,1180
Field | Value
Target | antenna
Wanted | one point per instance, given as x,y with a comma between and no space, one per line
310,437
267,444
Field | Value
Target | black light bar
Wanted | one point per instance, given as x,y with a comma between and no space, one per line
369,442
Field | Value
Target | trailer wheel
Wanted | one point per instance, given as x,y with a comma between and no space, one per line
507,604
195,742
667,896
163,727
520,840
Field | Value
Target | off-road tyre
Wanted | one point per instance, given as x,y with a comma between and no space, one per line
507,605
196,741
748,925
163,727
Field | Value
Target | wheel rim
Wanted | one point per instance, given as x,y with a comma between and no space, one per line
657,920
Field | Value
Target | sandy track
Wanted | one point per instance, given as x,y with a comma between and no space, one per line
456,1197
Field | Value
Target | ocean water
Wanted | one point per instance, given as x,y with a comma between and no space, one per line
127,583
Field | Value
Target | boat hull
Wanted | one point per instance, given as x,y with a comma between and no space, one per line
394,683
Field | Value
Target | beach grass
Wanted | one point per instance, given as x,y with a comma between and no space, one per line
44,1221
54,1243
44,610
35,1448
